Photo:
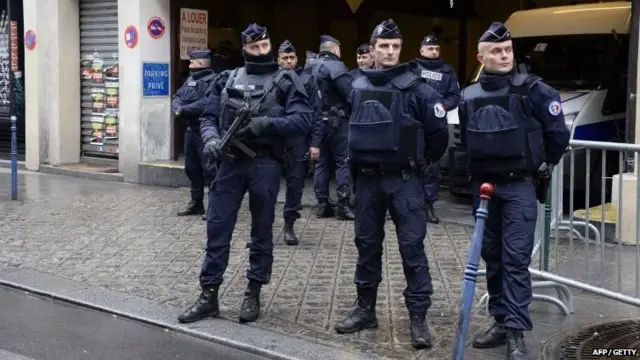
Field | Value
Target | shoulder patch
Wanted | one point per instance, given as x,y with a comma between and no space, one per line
191,83
439,110
555,108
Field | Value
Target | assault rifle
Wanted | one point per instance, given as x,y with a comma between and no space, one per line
244,111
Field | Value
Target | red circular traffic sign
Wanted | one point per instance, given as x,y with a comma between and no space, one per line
30,39
156,27
131,36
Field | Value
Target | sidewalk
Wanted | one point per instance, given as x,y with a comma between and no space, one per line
126,238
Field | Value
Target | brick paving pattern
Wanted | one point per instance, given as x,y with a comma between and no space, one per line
127,238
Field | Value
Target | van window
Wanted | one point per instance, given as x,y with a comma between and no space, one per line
571,62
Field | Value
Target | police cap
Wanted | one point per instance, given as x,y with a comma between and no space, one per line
496,33
328,38
286,47
364,49
386,30
200,54
254,33
430,40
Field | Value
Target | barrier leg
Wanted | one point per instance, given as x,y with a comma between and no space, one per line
471,274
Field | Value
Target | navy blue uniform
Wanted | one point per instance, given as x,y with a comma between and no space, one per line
188,103
273,106
399,187
397,125
443,79
334,83
297,150
289,115
510,125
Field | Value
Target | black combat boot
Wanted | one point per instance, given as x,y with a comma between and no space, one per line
495,336
250,308
193,208
431,214
344,211
205,306
516,348
324,209
420,336
363,316
290,237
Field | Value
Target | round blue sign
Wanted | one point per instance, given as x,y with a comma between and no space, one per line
156,27
131,36
30,39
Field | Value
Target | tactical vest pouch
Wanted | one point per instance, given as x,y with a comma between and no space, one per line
493,132
371,126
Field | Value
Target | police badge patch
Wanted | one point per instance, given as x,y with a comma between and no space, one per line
555,108
439,110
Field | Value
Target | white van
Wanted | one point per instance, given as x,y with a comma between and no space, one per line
582,51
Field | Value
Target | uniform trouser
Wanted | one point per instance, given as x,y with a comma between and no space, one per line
405,201
294,175
334,147
506,249
194,166
431,181
261,178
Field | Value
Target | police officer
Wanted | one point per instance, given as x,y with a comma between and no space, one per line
397,124
283,112
443,79
297,147
364,59
188,103
334,83
512,125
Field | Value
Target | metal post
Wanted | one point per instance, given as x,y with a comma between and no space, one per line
471,274
632,81
544,245
14,120
14,157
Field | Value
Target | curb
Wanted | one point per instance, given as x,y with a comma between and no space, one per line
257,341
91,175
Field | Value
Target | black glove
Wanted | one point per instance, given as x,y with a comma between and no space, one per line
212,148
256,126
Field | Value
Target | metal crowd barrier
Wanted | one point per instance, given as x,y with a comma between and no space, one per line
591,248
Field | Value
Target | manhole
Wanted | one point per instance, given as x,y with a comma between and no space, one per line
591,342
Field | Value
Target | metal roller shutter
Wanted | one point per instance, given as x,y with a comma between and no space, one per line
99,88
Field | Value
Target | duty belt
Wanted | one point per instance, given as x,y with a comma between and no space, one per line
503,178
261,151
333,117
383,170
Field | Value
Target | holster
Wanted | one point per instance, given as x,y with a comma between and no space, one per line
542,189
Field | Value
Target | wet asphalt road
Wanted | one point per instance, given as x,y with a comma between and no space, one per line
35,328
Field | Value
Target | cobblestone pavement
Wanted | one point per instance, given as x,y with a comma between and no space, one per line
127,238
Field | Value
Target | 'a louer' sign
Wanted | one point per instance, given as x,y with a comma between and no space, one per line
193,31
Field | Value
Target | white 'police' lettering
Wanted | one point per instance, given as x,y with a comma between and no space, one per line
431,75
